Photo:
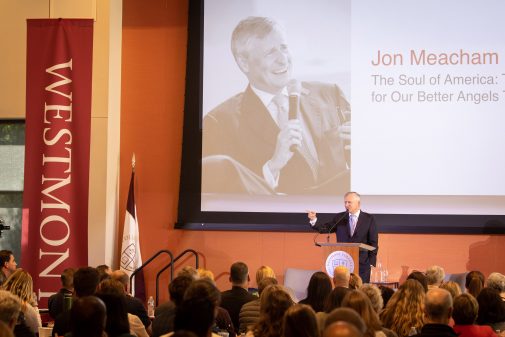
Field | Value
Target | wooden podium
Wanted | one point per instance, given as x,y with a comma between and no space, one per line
342,254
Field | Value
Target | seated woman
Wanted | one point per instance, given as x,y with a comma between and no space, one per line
20,283
491,309
317,291
465,310
300,321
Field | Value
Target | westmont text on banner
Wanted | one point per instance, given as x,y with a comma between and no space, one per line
58,117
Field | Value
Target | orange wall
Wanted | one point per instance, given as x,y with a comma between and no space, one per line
153,73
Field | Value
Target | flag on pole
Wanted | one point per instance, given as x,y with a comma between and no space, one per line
130,247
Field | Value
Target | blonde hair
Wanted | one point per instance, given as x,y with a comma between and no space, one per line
20,283
452,287
405,309
205,274
263,272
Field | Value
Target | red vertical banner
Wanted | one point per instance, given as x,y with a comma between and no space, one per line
58,118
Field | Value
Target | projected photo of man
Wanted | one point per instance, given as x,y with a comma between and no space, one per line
280,135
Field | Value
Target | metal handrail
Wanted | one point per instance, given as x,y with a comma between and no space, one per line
136,271
171,266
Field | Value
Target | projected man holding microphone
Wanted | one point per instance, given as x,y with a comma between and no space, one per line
353,225
279,135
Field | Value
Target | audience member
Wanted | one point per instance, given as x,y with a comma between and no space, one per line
250,312
10,308
164,314
434,276
386,294
491,309
348,316
317,291
117,322
233,299
56,302
116,288
20,283
464,314
335,298
87,316
374,294
261,273
275,301
205,274
474,282
85,284
197,311
438,310
341,277
189,271
452,287
355,282
300,321
8,263
359,302
405,309
497,281
104,272
133,304
419,277
342,329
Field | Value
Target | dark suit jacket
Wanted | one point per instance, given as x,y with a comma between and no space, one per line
241,128
232,300
365,232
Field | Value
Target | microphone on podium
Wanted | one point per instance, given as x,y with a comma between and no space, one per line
335,225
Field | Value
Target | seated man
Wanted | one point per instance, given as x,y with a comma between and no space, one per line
437,313
56,301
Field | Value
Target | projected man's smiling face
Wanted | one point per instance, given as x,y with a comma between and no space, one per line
268,62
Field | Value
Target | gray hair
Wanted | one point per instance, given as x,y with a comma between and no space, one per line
435,275
354,193
496,281
374,294
248,29
11,306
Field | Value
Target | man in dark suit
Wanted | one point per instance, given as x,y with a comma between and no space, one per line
253,144
233,299
354,225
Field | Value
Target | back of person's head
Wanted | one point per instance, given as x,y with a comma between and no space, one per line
300,321
359,302
342,329
110,286
491,307
274,302
451,287
178,287
87,317
20,283
252,27
347,315
122,277
355,282
341,276
262,272
104,271
465,309
474,282
239,273
496,281
67,278
435,275
5,330
318,290
117,314
205,274
334,299
419,277
189,271
267,281
86,280
10,307
196,313
438,305
374,294
386,294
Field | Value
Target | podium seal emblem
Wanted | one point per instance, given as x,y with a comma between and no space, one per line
339,258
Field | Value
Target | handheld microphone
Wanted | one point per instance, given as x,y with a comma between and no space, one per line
294,88
335,225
